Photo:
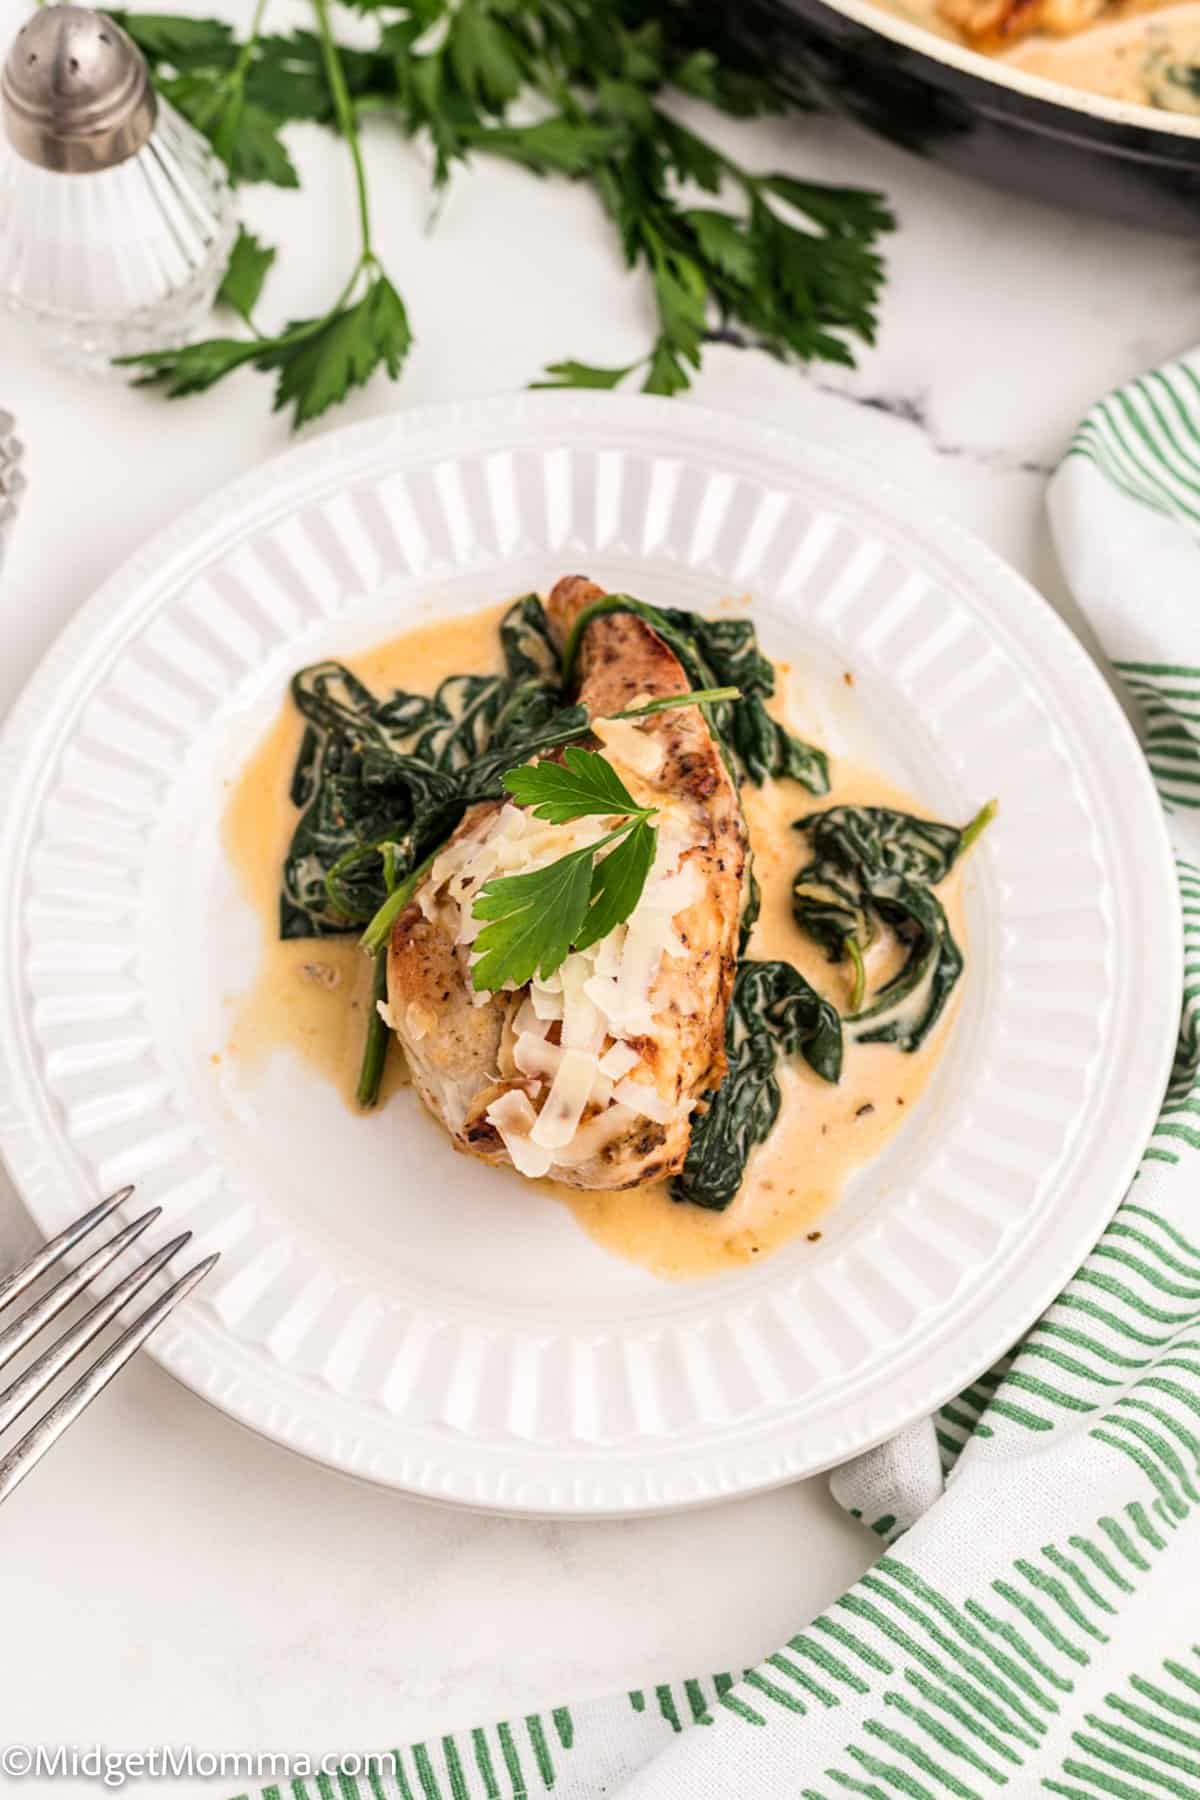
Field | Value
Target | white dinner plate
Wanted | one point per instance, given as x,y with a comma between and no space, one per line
396,1310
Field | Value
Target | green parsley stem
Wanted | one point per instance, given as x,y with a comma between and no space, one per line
241,67
375,1048
305,329
698,697
551,897
977,826
376,935
642,815
347,124
218,111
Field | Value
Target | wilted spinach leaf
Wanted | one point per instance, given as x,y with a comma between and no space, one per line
773,1013
885,841
724,653
400,771
751,905
906,1008
872,865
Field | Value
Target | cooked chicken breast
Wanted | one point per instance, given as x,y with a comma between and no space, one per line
994,24
591,1076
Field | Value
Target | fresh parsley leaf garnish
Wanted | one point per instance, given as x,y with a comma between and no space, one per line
316,361
534,920
246,138
773,262
617,883
583,375
193,367
208,77
559,145
584,785
248,267
180,43
318,365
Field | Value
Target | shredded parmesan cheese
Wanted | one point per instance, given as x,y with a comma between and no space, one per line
559,1118
570,1035
419,1019
619,1060
645,1100
630,745
514,1118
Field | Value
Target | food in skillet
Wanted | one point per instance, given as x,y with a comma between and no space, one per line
1143,51
553,867
992,24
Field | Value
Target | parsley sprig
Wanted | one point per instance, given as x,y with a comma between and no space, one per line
316,361
374,939
587,90
534,920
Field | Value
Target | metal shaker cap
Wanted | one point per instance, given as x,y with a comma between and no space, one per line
75,93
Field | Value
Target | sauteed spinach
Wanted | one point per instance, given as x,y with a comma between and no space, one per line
379,783
872,866
723,653
773,1013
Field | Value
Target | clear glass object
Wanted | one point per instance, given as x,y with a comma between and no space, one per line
11,478
118,220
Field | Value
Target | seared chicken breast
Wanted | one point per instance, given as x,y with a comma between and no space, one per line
995,24
592,1075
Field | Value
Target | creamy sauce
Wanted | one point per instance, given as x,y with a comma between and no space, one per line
311,995
824,1133
1138,51
1149,62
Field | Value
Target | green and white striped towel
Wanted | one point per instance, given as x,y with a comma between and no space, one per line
1037,1630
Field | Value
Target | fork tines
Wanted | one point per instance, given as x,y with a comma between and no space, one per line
38,1375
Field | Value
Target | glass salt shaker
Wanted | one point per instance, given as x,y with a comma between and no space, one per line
118,220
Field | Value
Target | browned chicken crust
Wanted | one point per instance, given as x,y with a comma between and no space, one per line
447,1039
460,1053
994,25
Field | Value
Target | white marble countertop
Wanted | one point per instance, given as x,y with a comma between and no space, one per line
167,1577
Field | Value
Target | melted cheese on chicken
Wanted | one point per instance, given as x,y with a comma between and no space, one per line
573,1038
611,1054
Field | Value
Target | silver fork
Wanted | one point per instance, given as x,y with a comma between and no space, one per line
25,1388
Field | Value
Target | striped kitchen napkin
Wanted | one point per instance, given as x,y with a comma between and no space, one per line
1036,1629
